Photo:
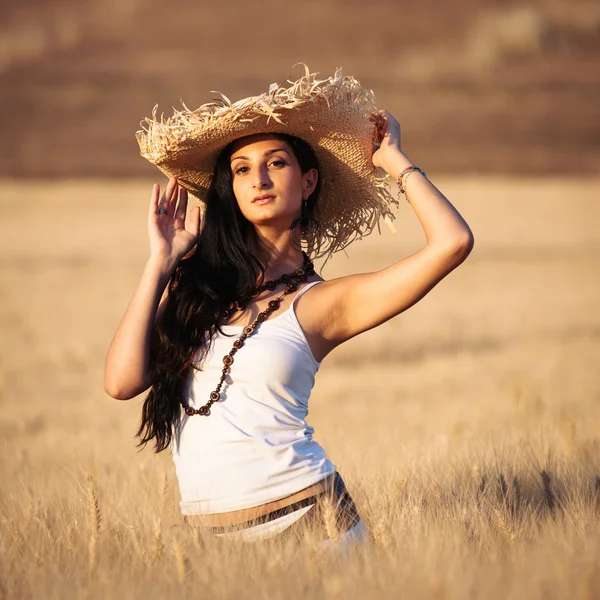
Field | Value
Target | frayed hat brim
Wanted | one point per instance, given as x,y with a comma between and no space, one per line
332,115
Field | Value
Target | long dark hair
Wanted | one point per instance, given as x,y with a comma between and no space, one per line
219,270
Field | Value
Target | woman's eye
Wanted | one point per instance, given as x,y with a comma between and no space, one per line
277,162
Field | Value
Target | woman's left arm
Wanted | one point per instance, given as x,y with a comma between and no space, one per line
365,300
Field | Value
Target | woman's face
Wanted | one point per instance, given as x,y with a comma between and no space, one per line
262,165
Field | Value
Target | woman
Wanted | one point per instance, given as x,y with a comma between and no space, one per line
295,167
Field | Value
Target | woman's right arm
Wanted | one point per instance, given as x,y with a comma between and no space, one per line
127,369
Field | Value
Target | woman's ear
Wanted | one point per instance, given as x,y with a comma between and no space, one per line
310,182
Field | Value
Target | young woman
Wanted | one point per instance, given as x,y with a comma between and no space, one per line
230,323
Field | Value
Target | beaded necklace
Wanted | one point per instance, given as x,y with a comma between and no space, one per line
291,280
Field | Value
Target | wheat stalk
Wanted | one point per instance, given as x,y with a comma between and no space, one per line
503,526
140,549
45,525
401,483
381,533
95,523
158,543
329,519
179,561
29,504
71,535
482,489
163,491
16,535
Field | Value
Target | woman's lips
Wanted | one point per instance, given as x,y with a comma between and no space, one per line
263,200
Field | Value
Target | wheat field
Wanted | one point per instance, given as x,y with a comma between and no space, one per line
466,429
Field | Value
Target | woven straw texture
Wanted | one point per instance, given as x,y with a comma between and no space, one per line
332,115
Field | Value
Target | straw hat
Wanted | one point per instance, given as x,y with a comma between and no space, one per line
332,115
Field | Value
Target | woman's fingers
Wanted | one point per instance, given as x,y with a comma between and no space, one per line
194,221
382,118
388,127
182,205
379,119
154,199
378,115
173,199
163,203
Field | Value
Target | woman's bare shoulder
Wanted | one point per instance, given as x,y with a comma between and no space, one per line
309,307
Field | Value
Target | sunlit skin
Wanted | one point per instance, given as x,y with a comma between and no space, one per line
330,313
262,164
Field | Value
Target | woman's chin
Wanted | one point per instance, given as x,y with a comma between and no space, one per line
278,221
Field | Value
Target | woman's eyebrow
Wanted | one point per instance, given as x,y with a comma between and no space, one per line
267,153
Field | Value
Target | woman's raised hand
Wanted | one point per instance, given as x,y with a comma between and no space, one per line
388,132
171,237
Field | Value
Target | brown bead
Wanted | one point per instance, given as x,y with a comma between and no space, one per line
292,287
238,344
189,411
215,396
228,360
262,317
270,285
204,411
224,371
248,330
274,304
299,272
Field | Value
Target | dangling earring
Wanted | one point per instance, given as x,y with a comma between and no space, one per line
308,225
305,230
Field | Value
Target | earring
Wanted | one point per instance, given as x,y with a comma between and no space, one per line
308,225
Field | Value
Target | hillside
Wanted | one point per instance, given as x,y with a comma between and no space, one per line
484,86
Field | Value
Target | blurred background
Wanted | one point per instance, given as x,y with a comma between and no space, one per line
494,373
486,86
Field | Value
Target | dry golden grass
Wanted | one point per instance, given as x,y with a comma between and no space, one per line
466,429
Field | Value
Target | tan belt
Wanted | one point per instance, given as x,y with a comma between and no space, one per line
235,517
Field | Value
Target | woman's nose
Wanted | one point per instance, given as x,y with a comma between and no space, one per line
262,179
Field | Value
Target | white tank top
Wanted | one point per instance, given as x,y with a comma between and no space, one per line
256,446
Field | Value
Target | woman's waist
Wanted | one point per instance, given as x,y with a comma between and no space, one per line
245,515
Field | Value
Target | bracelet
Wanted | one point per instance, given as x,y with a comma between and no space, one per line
400,179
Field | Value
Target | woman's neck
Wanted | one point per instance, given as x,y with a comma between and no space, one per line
279,257
276,266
